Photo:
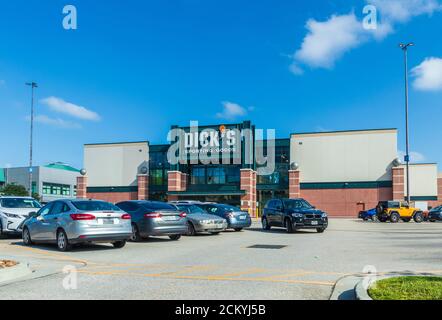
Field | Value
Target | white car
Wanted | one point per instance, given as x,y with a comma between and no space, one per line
13,211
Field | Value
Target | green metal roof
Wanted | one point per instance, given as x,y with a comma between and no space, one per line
2,175
61,166
206,193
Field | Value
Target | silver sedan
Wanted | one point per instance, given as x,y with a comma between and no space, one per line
68,222
200,221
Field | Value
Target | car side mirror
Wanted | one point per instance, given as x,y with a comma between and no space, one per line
313,207
33,214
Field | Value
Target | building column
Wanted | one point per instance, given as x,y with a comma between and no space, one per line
82,187
177,182
248,184
143,187
439,188
398,183
294,184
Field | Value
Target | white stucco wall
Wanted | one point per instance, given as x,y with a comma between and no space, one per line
349,156
423,180
115,165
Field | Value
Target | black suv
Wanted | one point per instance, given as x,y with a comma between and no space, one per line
293,214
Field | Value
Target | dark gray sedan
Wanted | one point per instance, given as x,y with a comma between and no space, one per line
152,218
200,221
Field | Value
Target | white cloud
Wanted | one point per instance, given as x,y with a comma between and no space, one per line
328,41
231,111
56,122
428,75
414,156
61,106
393,11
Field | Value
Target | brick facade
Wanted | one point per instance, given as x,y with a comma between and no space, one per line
248,184
294,184
177,181
143,187
82,187
113,197
398,177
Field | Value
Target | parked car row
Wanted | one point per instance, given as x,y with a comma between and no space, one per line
74,221
395,211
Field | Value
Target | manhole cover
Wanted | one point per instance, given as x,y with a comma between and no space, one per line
266,246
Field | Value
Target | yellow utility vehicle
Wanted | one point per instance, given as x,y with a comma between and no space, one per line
394,211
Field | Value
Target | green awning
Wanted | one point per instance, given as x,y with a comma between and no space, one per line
61,166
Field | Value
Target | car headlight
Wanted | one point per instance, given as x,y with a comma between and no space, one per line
11,215
297,215
324,215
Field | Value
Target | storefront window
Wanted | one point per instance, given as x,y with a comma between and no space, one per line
56,189
216,175
198,175
157,177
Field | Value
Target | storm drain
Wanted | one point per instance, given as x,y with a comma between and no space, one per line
267,246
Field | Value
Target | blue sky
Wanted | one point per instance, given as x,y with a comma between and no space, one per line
134,68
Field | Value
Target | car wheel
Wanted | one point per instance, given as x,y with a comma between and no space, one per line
265,224
418,217
191,230
175,237
26,237
374,218
238,229
394,217
289,226
2,235
119,244
62,241
320,230
135,237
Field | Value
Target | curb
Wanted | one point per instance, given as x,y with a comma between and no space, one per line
12,273
361,293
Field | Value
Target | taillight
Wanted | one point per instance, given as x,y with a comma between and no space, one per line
125,216
183,214
82,216
153,215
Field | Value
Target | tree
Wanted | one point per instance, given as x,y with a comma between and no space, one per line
14,190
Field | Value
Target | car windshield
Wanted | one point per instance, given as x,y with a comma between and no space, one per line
297,204
229,208
95,206
191,209
19,203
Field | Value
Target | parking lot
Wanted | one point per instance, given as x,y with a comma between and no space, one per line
304,265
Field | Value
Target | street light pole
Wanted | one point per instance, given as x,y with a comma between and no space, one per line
33,85
404,48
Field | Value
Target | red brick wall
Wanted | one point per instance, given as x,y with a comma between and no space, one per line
398,184
248,184
294,184
143,187
113,197
82,187
346,202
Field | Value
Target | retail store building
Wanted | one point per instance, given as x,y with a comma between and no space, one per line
340,172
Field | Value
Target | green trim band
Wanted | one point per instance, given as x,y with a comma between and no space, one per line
422,198
347,185
112,189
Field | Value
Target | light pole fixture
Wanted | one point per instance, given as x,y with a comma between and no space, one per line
404,48
33,85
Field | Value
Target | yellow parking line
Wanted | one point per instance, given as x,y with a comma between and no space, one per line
207,278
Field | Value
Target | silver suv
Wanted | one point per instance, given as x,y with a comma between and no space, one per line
68,222
13,211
